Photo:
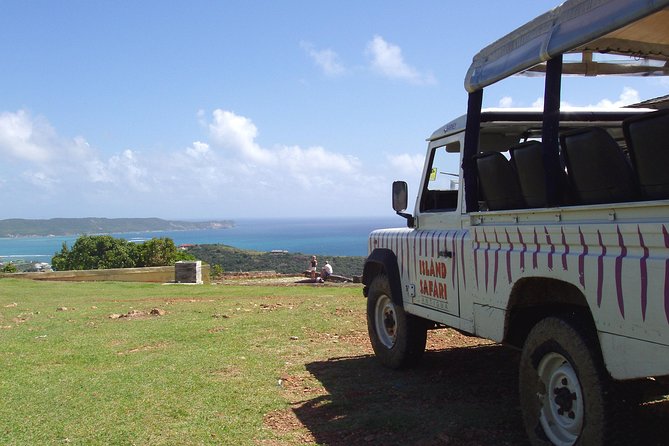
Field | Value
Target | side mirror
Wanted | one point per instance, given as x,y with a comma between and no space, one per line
400,200
400,196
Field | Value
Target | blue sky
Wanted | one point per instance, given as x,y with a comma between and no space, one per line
232,109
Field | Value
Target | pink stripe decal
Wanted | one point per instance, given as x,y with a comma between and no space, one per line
600,269
644,274
430,239
536,251
619,272
508,256
400,240
454,254
476,257
496,269
485,264
462,259
415,256
404,241
552,250
581,258
666,274
566,250
522,251
408,254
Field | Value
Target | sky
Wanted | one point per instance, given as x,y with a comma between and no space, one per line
243,109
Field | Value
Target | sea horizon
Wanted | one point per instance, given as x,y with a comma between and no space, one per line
338,236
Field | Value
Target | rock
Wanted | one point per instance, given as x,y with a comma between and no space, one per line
133,313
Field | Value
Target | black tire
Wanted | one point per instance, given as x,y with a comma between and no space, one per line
563,385
398,338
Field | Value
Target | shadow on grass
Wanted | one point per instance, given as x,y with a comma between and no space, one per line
461,396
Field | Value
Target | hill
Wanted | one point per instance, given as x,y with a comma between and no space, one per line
234,260
18,227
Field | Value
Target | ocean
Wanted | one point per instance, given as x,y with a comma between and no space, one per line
333,236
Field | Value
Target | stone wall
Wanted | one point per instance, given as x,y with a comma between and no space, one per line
158,274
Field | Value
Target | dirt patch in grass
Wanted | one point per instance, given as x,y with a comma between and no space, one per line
167,300
144,348
264,279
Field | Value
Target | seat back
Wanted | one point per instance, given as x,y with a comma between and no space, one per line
647,139
528,161
598,169
498,182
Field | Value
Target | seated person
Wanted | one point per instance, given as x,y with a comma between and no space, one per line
326,271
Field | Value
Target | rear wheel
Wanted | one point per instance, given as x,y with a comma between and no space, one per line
563,385
398,338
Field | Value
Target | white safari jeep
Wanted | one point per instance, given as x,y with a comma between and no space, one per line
547,229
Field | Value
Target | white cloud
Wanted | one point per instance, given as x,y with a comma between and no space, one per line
406,165
40,179
285,174
326,59
25,138
506,102
127,169
199,150
237,133
387,60
627,97
226,173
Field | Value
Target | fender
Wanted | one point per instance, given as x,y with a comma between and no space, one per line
383,260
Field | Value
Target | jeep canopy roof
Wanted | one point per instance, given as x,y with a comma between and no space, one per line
636,28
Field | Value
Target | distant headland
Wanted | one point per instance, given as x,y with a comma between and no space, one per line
19,227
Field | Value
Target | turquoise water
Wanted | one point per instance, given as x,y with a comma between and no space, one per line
336,237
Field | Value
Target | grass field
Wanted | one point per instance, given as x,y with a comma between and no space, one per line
205,372
88,364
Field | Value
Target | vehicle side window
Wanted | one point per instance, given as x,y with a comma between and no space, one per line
440,192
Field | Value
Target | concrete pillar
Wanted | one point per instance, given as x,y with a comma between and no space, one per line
188,272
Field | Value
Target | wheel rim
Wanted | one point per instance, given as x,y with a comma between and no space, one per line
385,321
562,400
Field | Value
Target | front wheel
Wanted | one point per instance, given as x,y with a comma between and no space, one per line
563,385
398,338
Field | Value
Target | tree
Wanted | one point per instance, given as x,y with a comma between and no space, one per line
216,271
95,252
9,268
59,260
105,251
156,252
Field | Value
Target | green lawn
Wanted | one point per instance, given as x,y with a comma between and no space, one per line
205,372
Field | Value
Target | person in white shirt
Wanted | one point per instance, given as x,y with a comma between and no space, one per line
326,271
